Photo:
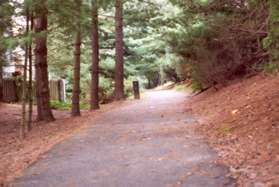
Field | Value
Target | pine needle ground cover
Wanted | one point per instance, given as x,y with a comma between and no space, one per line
241,122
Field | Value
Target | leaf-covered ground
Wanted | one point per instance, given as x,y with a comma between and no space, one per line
16,155
242,122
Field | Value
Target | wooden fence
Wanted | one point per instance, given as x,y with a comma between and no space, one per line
9,91
57,90
12,90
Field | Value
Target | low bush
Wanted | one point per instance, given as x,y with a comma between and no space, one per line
58,105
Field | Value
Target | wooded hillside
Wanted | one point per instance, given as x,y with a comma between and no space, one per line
103,49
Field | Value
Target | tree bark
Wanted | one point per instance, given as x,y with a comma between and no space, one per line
1,79
42,82
23,99
94,104
30,84
2,61
119,47
76,83
77,52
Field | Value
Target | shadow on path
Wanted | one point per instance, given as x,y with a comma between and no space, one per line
148,143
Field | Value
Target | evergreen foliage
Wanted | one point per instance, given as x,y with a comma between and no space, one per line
206,41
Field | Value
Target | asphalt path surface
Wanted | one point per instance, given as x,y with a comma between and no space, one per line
148,143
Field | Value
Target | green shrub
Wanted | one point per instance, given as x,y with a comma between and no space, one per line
196,86
181,87
215,53
271,68
57,105
106,90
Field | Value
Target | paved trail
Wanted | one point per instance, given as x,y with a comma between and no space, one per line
148,143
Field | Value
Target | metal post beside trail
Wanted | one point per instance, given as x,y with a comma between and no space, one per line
136,89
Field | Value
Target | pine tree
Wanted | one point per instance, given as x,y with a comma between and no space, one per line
24,82
94,104
119,47
77,52
42,82
30,84
1,80
6,12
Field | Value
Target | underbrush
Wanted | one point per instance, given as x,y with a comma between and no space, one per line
183,87
58,105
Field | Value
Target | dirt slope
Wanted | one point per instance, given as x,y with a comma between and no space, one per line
242,122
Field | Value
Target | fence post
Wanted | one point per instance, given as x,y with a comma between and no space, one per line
61,90
136,89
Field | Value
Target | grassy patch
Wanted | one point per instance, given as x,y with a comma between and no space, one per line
57,105
226,130
196,86
182,88
271,68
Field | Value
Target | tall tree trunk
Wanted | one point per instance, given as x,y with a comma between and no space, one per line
2,61
119,47
23,99
42,82
77,52
30,84
1,79
94,104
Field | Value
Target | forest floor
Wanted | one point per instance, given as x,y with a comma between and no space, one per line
241,121
16,155
155,137
149,142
